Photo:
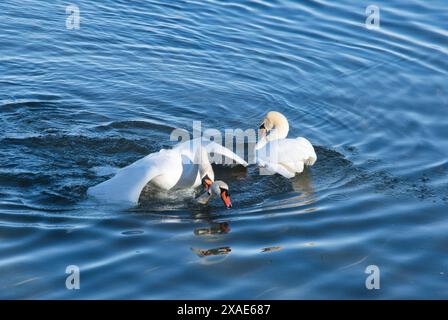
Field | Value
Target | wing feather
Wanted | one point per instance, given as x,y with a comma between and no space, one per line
128,183
189,148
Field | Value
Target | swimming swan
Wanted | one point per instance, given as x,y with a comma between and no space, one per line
279,155
187,165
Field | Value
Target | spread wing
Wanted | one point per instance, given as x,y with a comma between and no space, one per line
231,157
128,183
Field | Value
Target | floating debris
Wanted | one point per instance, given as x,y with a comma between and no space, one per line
132,232
211,252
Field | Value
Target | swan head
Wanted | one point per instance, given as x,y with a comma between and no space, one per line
206,182
217,188
274,126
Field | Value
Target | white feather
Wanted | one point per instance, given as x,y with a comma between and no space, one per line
277,154
177,168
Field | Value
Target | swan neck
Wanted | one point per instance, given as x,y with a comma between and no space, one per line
202,160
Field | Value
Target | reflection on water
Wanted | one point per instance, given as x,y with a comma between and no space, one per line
269,249
215,228
211,252
302,196
303,193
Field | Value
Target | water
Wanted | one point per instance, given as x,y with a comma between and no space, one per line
75,104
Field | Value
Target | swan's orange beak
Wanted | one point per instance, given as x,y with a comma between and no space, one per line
226,199
206,182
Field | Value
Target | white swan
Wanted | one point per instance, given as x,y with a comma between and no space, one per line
279,155
187,165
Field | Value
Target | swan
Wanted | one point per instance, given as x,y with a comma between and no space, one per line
187,165
277,154
217,188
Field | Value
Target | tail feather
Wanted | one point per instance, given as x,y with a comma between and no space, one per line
308,147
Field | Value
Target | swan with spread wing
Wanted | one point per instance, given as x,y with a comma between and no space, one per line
187,165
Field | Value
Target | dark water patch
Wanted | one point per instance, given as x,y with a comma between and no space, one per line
132,232
28,105
338,197
23,179
332,163
248,189
135,125
72,143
